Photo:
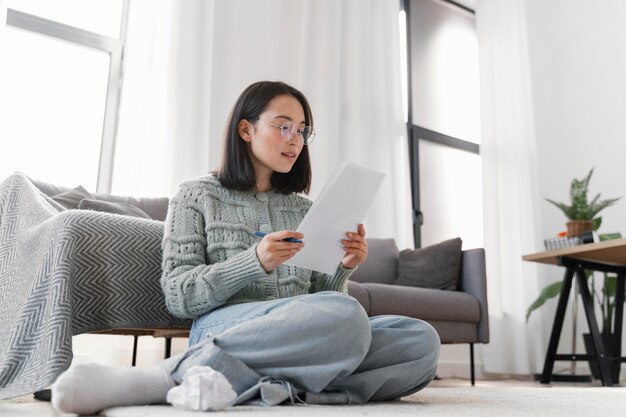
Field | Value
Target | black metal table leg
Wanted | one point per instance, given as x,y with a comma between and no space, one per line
557,326
598,344
619,314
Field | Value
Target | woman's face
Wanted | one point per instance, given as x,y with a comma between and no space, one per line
268,150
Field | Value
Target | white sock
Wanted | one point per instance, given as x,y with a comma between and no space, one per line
203,389
88,388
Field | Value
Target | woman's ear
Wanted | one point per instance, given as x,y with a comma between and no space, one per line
244,128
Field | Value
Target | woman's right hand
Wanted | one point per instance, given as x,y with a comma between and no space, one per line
272,250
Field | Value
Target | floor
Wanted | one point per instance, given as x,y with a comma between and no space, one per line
443,398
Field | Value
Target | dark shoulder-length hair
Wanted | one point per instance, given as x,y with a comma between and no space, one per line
237,171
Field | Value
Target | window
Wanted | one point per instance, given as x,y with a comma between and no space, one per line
60,90
444,122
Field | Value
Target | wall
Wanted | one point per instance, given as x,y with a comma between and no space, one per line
578,68
578,73
577,51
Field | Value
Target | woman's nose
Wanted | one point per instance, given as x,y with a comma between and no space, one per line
295,137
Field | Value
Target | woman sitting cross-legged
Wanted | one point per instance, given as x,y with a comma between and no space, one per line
263,331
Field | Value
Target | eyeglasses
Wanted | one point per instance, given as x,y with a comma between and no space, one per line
289,129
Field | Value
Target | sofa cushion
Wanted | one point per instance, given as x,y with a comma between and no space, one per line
70,198
422,303
47,188
437,266
359,292
381,264
155,207
111,207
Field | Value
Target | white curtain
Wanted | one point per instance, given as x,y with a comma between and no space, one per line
3,16
162,122
3,21
511,205
188,61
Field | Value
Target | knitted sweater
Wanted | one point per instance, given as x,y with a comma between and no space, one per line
209,249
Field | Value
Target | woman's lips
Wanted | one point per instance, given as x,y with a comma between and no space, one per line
289,155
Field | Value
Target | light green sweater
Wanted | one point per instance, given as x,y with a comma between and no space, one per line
209,249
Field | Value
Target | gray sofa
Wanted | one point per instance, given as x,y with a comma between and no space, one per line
459,316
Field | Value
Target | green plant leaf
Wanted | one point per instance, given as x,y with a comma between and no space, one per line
597,207
548,292
610,285
597,222
565,208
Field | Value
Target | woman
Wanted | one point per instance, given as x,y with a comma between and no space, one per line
256,320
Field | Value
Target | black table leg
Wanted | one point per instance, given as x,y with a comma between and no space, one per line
603,363
619,314
546,376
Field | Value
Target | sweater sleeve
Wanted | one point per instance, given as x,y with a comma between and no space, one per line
191,285
336,282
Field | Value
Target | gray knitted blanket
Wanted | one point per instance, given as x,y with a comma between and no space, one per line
68,272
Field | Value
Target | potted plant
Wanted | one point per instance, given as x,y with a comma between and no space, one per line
581,212
583,216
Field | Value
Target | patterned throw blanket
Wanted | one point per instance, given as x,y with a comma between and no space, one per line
65,272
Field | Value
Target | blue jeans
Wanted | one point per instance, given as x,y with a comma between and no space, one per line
316,342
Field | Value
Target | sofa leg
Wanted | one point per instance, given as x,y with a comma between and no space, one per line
168,347
472,363
136,339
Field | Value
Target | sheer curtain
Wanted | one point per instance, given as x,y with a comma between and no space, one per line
162,132
3,21
3,17
511,202
188,61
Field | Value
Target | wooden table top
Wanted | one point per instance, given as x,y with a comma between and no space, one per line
610,252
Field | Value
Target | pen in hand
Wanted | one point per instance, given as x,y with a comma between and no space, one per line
289,239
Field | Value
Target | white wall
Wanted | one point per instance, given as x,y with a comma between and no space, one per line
578,69
577,52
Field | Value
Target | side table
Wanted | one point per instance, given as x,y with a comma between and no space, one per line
607,256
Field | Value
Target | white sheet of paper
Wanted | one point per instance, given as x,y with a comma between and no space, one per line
342,204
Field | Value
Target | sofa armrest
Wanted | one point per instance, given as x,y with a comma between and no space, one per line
474,282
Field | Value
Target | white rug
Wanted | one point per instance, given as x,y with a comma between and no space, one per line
483,401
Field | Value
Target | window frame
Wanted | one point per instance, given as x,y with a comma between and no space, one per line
115,49
416,133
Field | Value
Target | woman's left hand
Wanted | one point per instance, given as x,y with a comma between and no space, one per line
356,248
